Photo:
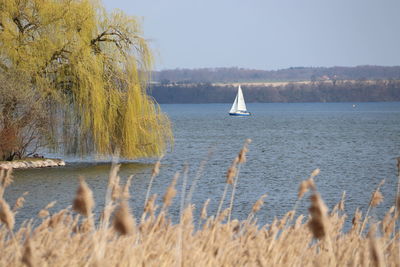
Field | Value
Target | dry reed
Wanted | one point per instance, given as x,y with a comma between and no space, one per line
154,174
318,224
83,202
230,177
124,222
203,214
28,256
241,159
5,180
19,203
61,239
6,215
171,192
376,199
257,206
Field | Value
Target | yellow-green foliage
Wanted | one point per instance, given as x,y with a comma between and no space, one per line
92,66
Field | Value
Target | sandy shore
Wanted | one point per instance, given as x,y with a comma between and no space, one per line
31,163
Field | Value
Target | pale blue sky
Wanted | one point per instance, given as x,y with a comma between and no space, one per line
268,34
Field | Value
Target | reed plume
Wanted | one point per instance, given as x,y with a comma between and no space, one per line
112,180
156,169
241,160
19,203
298,222
388,222
319,222
83,202
6,215
231,173
124,222
45,211
116,190
230,177
356,219
154,174
341,203
5,179
242,154
127,186
28,256
376,199
203,214
171,192
375,248
257,206
150,205
303,188
108,200
63,239
308,184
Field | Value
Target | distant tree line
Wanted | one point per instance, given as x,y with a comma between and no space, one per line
215,75
319,91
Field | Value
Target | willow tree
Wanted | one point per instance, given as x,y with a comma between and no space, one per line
90,68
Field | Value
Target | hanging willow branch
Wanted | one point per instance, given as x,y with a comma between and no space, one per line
91,66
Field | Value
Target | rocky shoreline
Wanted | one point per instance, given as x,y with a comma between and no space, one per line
36,163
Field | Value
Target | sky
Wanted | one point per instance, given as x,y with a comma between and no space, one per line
268,34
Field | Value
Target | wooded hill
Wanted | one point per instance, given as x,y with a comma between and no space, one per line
227,75
319,91
298,84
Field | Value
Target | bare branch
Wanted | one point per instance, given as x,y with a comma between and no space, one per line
19,25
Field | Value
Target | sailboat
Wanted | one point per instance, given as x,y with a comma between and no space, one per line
239,106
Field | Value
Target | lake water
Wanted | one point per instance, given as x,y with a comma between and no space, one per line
355,148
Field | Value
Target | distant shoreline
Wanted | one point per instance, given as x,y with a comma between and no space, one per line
243,75
329,90
285,83
31,163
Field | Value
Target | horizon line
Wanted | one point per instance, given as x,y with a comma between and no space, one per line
277,69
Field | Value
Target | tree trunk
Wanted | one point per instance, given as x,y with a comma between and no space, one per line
8,135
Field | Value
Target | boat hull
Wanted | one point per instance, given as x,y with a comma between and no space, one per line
240,114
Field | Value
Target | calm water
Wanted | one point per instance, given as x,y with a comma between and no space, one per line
355,148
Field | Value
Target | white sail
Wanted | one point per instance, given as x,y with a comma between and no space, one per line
241,105
234,107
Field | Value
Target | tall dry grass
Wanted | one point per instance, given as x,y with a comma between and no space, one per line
71,237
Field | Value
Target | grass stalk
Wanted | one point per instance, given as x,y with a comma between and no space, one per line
155,172
371,205
60,239
233,193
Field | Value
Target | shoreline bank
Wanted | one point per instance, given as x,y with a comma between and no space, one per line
31,163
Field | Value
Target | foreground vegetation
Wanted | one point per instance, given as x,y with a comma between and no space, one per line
73,237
